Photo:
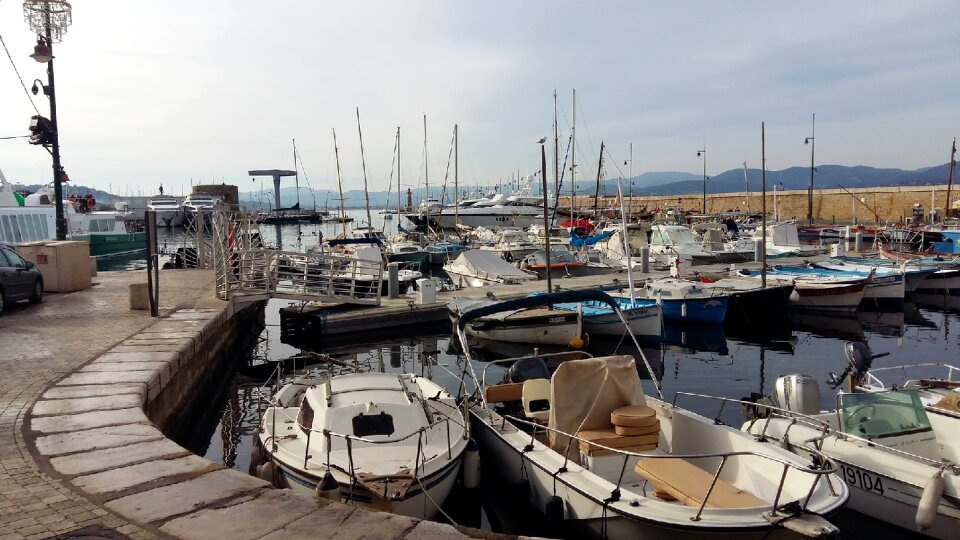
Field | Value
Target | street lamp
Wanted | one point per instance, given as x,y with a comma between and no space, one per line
810,140
49,19
703,154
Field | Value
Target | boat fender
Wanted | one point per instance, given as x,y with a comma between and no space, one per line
929,501
328,488
683,310
256,457
576,343
521,488
267,472
471,465
553,509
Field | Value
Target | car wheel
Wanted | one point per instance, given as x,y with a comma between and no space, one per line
37,295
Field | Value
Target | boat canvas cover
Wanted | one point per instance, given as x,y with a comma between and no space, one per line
583,393
481,262
785,234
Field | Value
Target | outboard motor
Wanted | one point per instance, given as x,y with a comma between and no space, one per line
796,393
859,360
525,369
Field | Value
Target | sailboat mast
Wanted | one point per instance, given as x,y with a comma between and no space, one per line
426,166
573,161
363,161
953,165
456,181
746,185
596,193
296,172
556,151
763,197
399,183
343,211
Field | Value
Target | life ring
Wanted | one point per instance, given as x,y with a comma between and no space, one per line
90,203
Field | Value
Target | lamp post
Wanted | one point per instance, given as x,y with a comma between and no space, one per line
49,19
810,140
703,154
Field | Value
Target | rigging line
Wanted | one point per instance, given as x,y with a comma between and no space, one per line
15,137
393,167
15,70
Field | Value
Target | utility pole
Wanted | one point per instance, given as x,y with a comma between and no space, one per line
812,142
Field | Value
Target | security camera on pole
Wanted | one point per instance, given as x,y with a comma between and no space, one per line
49,19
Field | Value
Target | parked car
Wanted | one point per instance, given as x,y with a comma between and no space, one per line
19,279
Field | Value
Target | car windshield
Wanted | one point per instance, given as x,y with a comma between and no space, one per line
883,414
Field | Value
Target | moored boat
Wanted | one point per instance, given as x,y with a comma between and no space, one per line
388,441
597,454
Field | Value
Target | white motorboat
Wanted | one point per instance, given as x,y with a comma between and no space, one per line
937,384
672,241
512,245
900,463
782,240
478,268
197,205
389,441
557,325
592,451
167,207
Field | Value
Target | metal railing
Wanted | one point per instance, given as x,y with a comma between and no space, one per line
827,468
874,380
244,265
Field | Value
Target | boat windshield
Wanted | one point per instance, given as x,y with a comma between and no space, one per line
673,237
883,414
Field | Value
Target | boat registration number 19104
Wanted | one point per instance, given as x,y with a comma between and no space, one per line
861,479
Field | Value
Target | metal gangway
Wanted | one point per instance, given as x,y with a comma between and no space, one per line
249,269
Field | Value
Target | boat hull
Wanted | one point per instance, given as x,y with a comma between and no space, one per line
744,305
643,322
585,510
844,297
703,310
558,328
114,243
944,282
415,502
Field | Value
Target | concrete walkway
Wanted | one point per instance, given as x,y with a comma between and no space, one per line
40,344
80,458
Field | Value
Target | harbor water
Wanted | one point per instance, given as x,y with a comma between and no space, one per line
727,361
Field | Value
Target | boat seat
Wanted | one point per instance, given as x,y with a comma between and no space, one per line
608,437
536,399
639,416
688,484
502,393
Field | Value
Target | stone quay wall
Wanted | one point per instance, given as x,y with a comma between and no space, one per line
880,205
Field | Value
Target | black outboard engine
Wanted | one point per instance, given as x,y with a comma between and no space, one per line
525,369
859,360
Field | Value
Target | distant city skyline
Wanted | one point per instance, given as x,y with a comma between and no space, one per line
152,93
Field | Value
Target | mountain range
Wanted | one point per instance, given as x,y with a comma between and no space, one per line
648,183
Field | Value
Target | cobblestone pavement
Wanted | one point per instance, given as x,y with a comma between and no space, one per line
40,344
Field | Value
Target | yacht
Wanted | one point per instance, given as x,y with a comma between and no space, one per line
197,204
168,210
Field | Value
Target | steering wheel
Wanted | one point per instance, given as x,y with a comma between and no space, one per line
865,412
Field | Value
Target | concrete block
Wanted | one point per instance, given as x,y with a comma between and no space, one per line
345,522
77,405
188,496
272,510
124,366
93,266
88,420
110,377
430,530
124,478
93,439
138,356
91,390
139,296
110,458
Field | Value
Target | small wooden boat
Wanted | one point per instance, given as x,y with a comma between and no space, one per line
683,300
544,325
387,441
478,268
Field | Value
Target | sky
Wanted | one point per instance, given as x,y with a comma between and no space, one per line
180,92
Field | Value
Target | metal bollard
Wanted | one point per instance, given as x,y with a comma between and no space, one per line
758,250
393,280
645,259
858,243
